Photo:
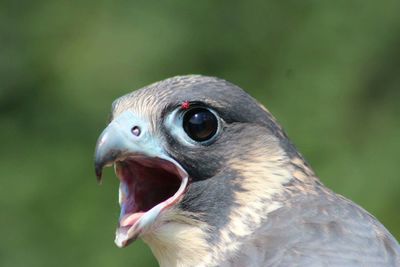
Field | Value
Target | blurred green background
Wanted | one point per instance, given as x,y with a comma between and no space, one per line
328,70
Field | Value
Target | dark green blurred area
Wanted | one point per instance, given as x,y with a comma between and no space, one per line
328,70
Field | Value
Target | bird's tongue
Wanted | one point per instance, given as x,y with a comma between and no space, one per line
130,219
122,237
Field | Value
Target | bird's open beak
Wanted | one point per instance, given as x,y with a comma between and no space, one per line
150,180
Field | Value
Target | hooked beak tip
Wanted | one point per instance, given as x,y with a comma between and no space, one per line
99,172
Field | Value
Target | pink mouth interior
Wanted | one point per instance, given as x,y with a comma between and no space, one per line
146,183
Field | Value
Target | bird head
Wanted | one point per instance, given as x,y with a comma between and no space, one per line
201,165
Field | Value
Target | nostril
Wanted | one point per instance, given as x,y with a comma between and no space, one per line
135,130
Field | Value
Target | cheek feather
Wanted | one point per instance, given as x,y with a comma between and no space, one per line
262,172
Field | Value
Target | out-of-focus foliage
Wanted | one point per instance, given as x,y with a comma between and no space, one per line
328,70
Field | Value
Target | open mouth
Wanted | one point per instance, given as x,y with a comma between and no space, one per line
148,186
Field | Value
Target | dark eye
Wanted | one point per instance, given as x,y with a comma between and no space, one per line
200,124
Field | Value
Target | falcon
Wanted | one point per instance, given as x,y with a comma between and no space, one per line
209,178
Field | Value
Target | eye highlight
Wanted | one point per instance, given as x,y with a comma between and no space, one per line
200,124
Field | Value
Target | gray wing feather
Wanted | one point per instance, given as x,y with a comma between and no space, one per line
327,230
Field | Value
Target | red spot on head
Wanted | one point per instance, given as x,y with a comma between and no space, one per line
185,105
